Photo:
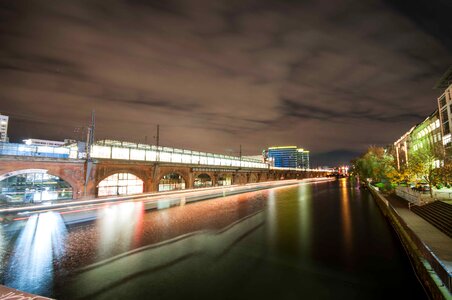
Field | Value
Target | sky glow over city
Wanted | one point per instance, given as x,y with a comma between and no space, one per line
217,74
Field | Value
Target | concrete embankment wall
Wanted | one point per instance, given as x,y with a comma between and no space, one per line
429,269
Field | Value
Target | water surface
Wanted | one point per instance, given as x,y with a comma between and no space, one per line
313,240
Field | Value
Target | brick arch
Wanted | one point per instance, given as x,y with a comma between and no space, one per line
117,171
263,177
61,173
271,176
211,175
224,174
105,173
240,178
184,177
253,178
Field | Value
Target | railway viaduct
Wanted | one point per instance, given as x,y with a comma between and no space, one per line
74,172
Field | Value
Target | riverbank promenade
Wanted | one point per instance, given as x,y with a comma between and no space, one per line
438,242
434,246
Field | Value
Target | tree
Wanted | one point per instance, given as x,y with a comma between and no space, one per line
422,164
376,165
398,176
445,174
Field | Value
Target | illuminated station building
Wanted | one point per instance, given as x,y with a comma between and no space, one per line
288,157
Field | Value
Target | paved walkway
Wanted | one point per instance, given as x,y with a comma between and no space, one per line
438,242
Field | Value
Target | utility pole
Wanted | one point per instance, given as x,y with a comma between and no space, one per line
158,135
90,135
93,125
89,144
157,140
240,155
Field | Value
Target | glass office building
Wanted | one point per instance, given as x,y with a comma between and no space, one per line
302,158
283,156
445,112
288,157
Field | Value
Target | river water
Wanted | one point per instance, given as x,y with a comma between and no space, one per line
312,240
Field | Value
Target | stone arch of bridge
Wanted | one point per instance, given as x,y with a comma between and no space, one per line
115,171
240,178
74,184
253,178
225,177
262,177
109,173
163,174
212,175
203,179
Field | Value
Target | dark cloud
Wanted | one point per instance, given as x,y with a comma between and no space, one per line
291,108
324,75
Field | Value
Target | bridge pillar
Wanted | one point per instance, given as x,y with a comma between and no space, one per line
191,180
148,186
214,178
237,178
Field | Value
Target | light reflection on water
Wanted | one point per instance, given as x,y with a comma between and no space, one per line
305,213
3,250
39,243
120,226
271,217
346,216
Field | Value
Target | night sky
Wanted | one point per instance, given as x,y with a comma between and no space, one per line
329,76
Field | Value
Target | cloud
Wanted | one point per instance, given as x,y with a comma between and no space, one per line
216,74
291,108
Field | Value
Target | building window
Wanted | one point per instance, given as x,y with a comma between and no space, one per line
447,140
442,101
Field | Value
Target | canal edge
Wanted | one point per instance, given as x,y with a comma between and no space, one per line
429,278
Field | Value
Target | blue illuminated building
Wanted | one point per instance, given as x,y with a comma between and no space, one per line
288,157
283,156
